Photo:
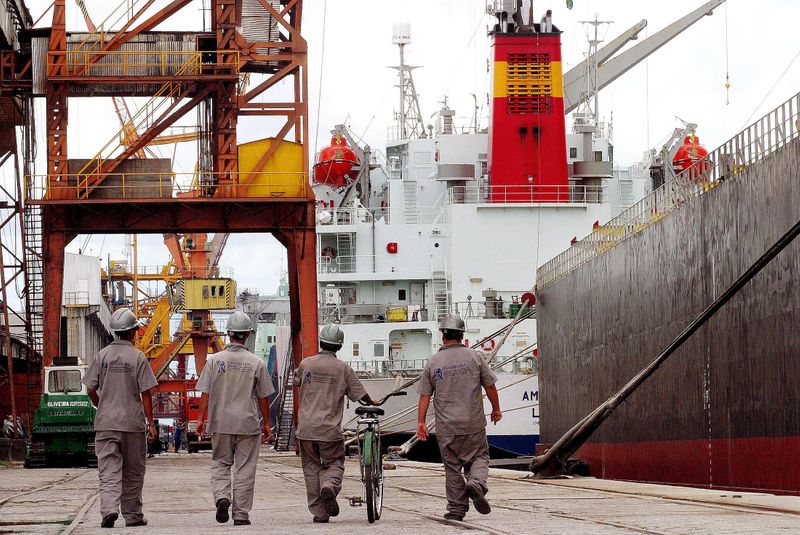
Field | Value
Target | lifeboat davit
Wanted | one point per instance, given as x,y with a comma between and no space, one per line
334,164
689,154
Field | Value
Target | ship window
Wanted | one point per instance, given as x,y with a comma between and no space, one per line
355,349
573,152
205,292
379,350
213,291
221,291
598,156
401,295
64,381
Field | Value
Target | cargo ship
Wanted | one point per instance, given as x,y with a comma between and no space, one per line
724,410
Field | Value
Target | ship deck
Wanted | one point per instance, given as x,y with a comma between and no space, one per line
177,500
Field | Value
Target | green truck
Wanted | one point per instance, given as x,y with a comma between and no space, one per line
63,428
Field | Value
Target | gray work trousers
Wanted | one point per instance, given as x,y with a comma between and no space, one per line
323,466
241,452
121,460
469,453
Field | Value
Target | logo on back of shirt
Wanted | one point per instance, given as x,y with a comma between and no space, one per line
307,378
221,365
438,374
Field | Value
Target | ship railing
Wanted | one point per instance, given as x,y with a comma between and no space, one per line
755,143
478,309
388,368
536,194
385,313
96,185
405,264
382,369
343,216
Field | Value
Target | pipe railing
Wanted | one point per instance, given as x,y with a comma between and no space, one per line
755,143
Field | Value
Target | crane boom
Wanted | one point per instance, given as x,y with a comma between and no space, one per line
609,70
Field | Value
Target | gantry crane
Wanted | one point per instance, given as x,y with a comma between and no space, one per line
263,189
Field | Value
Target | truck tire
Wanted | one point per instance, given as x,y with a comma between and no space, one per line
37,454
91,456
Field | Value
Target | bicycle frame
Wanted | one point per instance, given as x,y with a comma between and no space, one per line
371,432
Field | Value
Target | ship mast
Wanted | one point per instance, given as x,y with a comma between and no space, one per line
587,118
409,115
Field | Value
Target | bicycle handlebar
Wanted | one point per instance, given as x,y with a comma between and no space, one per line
386,397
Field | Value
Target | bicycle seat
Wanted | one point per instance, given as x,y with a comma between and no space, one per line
371,411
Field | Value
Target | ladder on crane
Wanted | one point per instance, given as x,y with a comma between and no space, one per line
284,428
34,264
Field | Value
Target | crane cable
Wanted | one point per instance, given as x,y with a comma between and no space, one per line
727,64
321,68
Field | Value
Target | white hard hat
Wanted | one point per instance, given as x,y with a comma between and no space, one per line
239,323
452,322
123,319
332,334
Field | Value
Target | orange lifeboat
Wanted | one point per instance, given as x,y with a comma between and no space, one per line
689,154
334,164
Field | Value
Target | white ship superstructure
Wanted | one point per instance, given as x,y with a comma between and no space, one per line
422,229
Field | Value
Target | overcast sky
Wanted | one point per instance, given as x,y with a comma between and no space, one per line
686,78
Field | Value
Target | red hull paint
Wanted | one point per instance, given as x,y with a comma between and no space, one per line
765,464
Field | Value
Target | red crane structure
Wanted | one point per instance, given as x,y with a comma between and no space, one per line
113,194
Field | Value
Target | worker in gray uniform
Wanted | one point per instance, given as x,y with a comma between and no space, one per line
323,381
454,377
235,385
120,384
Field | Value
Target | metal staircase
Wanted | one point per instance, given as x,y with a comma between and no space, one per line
345,252
284,433
439,282
410,208
34,265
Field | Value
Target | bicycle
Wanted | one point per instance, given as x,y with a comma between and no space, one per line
368,448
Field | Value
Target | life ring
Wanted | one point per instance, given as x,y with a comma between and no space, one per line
330,252
488,345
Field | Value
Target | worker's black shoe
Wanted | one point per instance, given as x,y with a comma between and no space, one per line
142,522
108,521
453,516
241,522
328,495
222,510
479,500
320,520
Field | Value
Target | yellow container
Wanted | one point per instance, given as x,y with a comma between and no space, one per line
205,294
397,314
282,175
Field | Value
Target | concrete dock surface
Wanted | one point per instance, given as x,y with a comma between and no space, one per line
178,500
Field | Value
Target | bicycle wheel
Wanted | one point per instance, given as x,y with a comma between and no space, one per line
373,480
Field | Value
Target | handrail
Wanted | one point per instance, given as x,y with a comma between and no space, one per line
125,63
521,194
761,139
164,185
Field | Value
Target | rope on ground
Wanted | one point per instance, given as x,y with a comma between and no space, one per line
81,514
43,487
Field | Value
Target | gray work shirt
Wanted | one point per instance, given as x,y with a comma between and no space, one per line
454,377
119,374
324,380
234,380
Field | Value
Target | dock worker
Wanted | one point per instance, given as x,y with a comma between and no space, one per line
454,377
323,382
120,383
235,386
